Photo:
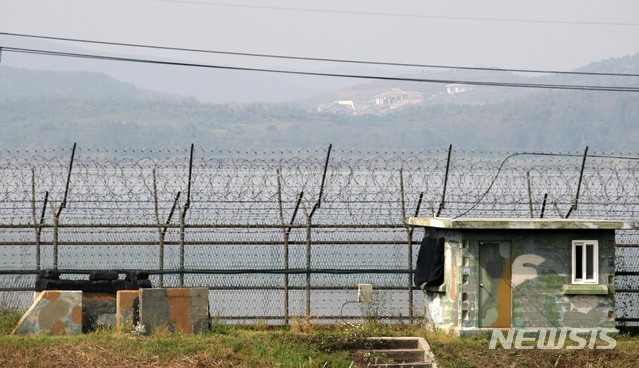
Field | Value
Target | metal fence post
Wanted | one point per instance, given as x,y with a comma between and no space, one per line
410,258
63,205
160,233
530,200
409,236
286,230
442,203
55,237
308,267
182,213
573,207
37,225
309,221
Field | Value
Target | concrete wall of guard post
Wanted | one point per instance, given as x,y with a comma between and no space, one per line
125,310
182,310
53,312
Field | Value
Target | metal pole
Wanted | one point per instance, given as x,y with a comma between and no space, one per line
66,190
160,232
581,175
409,236
401,192
39,228
36,227
188,190
175,204
530,204
318,204
286,250
309,220
543,205
168,221
419,203
56,215
442,203
411,302
55,237
308,269
183,216
181,246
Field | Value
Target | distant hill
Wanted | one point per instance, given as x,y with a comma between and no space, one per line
46,108
436,93
20,83
207,84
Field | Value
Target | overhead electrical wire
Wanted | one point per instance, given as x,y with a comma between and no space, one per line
303,58
403,15
323,74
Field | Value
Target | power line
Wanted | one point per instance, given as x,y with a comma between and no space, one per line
356,76
403,15
303,58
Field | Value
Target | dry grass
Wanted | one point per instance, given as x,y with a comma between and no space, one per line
469,352
116,351
302,345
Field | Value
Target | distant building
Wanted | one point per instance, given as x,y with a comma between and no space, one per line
378,106
395,97
342,107
455,88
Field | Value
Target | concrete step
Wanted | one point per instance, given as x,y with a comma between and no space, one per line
401,355
401,365
395,342
399,352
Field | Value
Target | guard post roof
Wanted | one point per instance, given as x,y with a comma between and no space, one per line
518,223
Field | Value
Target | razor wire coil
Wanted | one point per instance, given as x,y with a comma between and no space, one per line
119,202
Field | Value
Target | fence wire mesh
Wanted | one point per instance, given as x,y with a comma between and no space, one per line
280,234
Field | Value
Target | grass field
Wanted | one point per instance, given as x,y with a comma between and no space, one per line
299,345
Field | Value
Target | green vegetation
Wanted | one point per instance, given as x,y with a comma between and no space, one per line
301,344
560,120
49,109
8,320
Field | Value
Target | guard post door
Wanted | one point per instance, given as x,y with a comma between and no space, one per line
495,292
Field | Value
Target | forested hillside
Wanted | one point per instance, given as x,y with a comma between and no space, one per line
45,109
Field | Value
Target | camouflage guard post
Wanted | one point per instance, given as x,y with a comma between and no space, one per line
481,274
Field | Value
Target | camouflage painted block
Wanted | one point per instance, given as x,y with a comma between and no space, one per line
182,310
125,310
53,312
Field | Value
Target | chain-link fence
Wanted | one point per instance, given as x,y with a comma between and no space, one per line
277,235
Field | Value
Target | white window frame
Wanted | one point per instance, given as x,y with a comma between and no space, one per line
582,279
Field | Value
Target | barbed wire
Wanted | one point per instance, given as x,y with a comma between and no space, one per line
242,202
239,187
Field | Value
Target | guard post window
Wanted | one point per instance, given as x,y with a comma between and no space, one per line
584,262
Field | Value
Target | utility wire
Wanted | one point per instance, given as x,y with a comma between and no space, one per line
403,15
357,76
303,58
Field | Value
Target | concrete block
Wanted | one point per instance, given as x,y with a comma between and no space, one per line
53,312
125,311
99,310
183,310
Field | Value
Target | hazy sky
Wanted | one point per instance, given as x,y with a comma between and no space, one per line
539,34
504,33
